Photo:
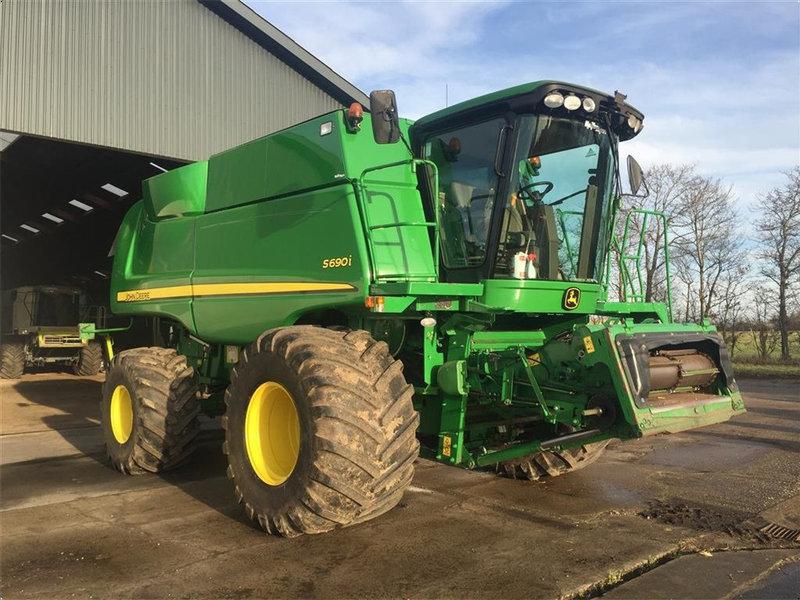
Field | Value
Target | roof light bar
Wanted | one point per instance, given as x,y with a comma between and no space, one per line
81,205
30,228
570,101
52,218
8,237
159,167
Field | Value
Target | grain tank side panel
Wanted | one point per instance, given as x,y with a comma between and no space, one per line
153,261
282,163
264,265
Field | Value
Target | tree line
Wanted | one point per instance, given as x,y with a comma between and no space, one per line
738,266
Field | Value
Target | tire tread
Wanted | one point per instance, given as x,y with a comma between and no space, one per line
365,419
12,360
166,410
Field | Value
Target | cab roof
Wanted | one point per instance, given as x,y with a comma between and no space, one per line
515,92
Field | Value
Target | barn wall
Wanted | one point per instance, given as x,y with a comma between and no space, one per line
161,77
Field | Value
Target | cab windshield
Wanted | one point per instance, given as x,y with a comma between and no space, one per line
557,201
552,210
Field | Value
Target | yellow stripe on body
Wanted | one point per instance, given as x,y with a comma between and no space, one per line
228,289
175,291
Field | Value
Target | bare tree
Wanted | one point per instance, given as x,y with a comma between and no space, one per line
765,337
708,245
730,311
778,233
668,187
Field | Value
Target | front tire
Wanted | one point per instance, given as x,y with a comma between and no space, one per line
90,360
12,360
320,429
149,410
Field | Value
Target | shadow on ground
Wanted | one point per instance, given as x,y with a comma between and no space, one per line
74,413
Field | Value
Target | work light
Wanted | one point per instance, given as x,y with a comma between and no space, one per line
634,123
553,100
572,102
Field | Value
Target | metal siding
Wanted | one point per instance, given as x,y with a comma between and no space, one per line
163,77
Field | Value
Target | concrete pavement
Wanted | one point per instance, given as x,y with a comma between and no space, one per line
656,517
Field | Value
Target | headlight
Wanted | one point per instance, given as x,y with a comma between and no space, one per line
553,100
572,102
634,123
589,105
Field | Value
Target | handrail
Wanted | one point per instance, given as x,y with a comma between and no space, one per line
637,292
361,187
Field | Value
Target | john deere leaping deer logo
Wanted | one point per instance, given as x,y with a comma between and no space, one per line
572,298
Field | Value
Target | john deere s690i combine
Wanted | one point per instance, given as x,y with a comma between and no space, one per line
359,289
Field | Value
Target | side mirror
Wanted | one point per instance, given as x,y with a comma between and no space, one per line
385,122
635,176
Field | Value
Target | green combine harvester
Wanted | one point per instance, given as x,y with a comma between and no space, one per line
359,289
40,327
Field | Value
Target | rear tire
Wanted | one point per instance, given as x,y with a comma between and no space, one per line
12,360
552,463
90,360
352,452
149,410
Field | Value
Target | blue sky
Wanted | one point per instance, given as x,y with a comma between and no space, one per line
718,82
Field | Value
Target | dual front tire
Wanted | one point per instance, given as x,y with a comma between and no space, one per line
320,428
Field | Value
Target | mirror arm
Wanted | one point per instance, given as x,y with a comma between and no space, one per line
646,189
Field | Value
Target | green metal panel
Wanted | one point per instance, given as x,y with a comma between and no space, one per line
286,208
282,240
276,165
538,296
180,192
151,255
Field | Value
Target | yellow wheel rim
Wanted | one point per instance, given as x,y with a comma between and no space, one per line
272,433
121,413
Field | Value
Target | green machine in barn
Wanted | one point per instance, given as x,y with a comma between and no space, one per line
359,289
40,326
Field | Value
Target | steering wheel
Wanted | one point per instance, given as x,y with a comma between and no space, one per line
528,189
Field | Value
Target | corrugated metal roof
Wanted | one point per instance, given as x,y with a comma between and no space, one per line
163,77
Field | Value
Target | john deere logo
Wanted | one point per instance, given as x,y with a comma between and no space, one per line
572,298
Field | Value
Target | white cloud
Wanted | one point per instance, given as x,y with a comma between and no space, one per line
736,116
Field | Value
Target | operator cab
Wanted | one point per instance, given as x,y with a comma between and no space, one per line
526,181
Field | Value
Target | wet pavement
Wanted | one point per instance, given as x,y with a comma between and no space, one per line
703,514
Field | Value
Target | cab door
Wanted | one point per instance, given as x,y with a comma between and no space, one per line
469,160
